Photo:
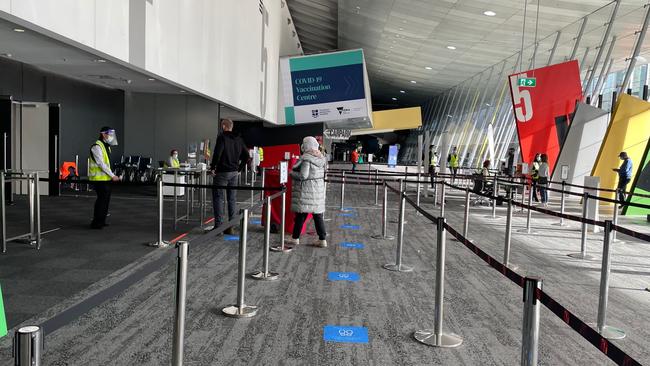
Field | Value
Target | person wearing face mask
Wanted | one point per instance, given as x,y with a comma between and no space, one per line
99,172
624,177
172,161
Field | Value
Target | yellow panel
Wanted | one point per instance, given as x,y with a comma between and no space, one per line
628,131
393,119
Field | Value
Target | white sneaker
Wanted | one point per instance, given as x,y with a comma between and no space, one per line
321,244
292,241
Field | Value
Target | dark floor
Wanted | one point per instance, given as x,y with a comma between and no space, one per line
134,327
72,256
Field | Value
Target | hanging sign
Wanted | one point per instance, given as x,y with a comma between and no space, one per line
337,134
284,172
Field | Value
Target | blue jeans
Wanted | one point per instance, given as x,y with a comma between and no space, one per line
224,179
543,192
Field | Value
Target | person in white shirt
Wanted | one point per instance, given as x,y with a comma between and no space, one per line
100,173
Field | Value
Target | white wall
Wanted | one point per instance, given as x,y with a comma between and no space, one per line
214,47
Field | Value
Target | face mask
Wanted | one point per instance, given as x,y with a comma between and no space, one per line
175,156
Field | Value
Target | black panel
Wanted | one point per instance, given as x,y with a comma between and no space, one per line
255,134
5,128
54,150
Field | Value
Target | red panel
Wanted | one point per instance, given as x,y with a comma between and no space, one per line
274,154
543,112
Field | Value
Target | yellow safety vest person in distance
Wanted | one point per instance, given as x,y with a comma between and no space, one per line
99,172
453,161
260,152
95,172
173,161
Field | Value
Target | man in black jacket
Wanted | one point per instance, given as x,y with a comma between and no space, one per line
229,158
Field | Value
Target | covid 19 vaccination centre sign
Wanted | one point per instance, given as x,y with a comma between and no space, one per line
328,87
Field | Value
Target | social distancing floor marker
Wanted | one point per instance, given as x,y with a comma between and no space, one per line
350,227
345,334
348,214
256,221
351,245
344,276
231,238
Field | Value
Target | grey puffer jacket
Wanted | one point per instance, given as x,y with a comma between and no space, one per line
308,190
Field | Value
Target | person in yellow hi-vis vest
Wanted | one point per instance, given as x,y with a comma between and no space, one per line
452,162
260,152
100,174
172,161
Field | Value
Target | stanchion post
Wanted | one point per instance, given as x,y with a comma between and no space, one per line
467,203
435,189
3,216
529,214
583,230
175,198
28,346
530,326
202,193
436,337
179,315
37,212
343,192
562,203
160,243
384,217
240,309
508,237
605,330
283,215
263,181
246,174
30,198
398,266
442,199
265,274
495,194
376,187
417,199
615,222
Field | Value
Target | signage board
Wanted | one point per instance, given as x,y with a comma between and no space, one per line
564,173
527,82
543,114
284,172
338,133
325,87
392,156
287,155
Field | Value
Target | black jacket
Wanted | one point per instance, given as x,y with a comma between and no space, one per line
230,153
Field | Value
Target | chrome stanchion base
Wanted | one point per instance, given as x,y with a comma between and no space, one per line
398,268
381,237
513,267
244,311
397,222
610,332
582,256
269,276
160,244
208,228
445,340
527,231
279,249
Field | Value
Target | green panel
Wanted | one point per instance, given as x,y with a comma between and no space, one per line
326,60
641,186
3,320
290,115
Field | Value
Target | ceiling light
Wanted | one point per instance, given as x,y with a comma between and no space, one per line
19,30
182,91
402,91
358,8
451,47
400,28
101,61
6,54
151,79
449,115
489,13
413,82
488,104
428,67
393,98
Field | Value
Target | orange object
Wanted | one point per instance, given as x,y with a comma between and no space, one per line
68,168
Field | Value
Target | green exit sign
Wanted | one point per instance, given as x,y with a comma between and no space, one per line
529,82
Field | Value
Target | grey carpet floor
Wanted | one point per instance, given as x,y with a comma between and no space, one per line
135,327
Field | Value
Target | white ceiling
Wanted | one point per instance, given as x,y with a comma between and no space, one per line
402,37
316,22
60,58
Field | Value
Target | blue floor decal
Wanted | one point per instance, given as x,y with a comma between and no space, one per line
349,214
351,227
352,245
335,333
231,237
343,276
256,221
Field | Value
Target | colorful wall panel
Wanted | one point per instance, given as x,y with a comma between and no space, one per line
629,132
543,112
3,320
582,143
640,185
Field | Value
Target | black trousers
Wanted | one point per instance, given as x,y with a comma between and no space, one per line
103,190
622,187
299,221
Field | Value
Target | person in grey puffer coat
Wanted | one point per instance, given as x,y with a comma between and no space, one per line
308,191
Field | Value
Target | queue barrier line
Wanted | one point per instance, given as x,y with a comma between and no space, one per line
528,180
620,229
592,336
147,184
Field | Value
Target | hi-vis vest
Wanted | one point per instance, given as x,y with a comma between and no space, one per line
433,161
175,163
535,171
95,172
260,152
453,161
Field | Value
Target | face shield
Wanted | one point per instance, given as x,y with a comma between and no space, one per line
110,138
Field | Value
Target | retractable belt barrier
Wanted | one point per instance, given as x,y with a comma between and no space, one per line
605,346
527,180
186,185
